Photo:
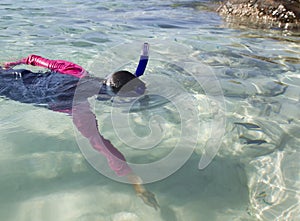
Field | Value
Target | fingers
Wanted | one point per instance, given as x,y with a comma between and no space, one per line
7,65
149,199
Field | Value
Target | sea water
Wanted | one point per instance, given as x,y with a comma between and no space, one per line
227,93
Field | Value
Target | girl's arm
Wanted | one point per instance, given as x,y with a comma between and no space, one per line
85,121
61,66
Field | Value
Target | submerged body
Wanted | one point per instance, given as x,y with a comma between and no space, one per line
55,90
50,89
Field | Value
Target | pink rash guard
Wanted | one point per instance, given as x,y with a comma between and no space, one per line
61,66
83,118
86,123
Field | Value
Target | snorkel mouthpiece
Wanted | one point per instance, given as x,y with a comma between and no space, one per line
143,61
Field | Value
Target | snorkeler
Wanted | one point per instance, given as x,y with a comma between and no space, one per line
55,90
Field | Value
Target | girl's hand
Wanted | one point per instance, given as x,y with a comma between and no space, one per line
8,65
147,196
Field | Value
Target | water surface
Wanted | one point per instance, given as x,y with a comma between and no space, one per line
255,175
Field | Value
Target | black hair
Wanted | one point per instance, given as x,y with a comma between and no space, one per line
120,78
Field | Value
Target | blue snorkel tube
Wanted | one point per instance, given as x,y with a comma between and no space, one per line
143,61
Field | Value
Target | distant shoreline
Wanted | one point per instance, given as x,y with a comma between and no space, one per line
283,14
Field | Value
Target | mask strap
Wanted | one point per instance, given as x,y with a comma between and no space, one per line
143,61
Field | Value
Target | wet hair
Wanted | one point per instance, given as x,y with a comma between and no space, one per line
121,78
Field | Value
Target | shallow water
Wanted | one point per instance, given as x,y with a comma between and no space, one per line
255,174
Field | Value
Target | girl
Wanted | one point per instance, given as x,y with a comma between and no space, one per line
55,89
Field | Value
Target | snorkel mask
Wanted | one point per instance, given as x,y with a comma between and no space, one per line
134,86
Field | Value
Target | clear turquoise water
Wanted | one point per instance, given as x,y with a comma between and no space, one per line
255,175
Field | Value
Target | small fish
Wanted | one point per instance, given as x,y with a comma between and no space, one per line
280,83
263,194
235,82
248,125
250,141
